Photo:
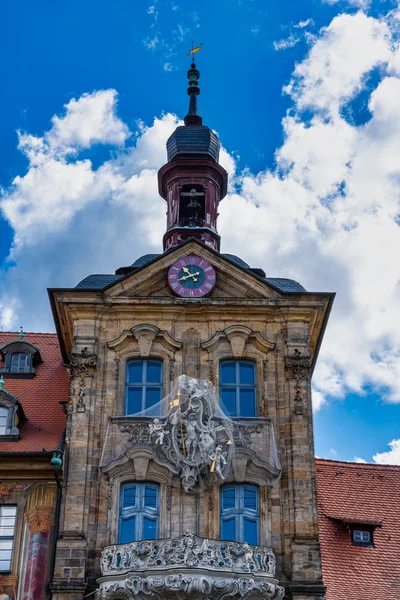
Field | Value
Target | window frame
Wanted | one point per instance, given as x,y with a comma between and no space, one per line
140,511
26,368
143,384
8,537
238,386
239,513
362,529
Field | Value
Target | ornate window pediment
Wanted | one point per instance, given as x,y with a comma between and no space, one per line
20,359
11,415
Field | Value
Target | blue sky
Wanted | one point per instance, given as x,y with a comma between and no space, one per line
303,97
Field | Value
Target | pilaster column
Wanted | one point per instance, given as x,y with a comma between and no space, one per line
40,519
305,550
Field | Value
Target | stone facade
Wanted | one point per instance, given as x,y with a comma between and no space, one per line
244,317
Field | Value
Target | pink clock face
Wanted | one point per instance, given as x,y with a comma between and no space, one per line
191,277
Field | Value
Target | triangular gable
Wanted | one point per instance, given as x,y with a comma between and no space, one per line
233,281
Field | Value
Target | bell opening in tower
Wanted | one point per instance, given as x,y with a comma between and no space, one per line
192,206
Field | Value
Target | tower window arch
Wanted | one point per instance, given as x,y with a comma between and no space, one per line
237,379
138,512
192,206
144,380
240,513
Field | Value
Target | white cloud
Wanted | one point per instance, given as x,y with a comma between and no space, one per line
151,42
286,43
334,71
391,457
363,4
303,24
328,216
358,459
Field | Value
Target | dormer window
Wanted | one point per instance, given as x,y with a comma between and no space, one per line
11,415
20,359
362,536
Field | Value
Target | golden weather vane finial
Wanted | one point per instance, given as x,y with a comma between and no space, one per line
196,49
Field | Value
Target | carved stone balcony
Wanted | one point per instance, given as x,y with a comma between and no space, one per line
188,567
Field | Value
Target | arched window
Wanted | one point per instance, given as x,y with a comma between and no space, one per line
3,420
19,363
237,379
143,385
139,512
192,206
240,513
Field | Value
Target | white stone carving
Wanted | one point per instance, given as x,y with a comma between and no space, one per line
195,439
180,587
187,566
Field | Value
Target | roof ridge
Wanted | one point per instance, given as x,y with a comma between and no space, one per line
353,464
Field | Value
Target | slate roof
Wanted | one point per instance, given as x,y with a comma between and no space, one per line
100,282
40,396
97,282
193,140
363,494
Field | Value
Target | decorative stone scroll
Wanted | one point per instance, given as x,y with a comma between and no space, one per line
238,336
298,368
186,566
181,587
83,364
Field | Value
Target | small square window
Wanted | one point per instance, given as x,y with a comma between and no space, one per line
362,537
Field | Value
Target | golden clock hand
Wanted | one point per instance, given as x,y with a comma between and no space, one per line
190,275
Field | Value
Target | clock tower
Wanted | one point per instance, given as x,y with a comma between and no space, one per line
192,181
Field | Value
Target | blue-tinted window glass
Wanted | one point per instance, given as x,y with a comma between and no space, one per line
228,498
153,395
247,402
250,531
141,389
228,398
149,529
228,529
134,400
238,388
150,497
129,497
135,372
154,371
127,530
228,372
239,519
139,513
246,373
250,499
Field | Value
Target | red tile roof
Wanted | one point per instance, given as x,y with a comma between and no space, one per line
359,493
40,396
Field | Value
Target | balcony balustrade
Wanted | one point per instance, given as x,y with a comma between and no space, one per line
188,567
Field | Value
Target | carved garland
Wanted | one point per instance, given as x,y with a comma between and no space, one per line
82,365
298,368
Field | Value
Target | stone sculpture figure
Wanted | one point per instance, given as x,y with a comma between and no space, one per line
157,430
193,439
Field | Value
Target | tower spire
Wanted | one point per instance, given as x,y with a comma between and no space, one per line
193,118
